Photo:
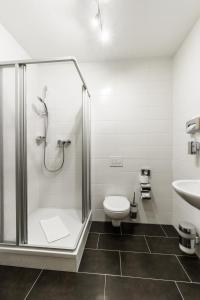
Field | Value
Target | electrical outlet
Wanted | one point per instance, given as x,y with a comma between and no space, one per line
116,161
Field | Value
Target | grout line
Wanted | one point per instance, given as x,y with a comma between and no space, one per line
188,282
139,277
89,248
90,273
104,293
120,263
128,234
183,269
33,284
137,252
167,254
98,241
117,250
101,249
147,244
179,290
117,234
166,235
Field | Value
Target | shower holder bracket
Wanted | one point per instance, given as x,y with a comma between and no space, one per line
40,139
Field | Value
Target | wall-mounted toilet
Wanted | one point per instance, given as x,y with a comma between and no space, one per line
117,208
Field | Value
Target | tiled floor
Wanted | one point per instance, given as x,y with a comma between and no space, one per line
151,266
134,262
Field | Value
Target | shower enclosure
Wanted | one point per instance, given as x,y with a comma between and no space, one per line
45,155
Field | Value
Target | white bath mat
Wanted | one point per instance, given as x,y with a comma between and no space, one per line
54,229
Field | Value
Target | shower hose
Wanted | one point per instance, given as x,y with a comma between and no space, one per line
46,125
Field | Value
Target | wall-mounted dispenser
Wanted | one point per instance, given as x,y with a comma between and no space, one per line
193,125
145,186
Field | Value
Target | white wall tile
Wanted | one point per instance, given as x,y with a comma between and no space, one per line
64,100
132,118
186,104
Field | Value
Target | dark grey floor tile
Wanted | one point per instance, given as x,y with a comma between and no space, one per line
152,266
54,285
123,243
190,291
142,229
104,227
99,261
92,240
164,245
170,230
192,266
16,282
121,288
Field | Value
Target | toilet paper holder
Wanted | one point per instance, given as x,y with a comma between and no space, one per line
145,186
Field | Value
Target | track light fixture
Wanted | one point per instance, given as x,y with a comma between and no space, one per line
97,23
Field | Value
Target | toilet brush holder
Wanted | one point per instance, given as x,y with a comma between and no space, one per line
133,209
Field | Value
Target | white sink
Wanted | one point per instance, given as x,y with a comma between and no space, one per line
189,190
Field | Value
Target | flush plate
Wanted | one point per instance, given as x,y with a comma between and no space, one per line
116,161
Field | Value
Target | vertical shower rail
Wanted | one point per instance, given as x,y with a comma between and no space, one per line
21,155
86,198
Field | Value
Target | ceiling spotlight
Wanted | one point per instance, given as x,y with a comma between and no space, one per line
96,22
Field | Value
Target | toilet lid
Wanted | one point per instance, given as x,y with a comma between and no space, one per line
116,203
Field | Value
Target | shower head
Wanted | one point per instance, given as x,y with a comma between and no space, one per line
45,106
44,95
42,100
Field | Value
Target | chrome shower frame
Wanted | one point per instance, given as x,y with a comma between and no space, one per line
1,176
21,152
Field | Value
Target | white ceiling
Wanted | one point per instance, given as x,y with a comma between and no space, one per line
138,28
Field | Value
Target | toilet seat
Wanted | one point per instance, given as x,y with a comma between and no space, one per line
117,208
116,204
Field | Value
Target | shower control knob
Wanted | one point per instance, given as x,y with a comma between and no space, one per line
63,143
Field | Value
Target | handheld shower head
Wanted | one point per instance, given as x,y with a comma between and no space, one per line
45,106
44,95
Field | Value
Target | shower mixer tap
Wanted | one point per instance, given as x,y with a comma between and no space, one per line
63,143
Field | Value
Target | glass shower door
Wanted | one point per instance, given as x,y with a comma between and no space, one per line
44,162
54,111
